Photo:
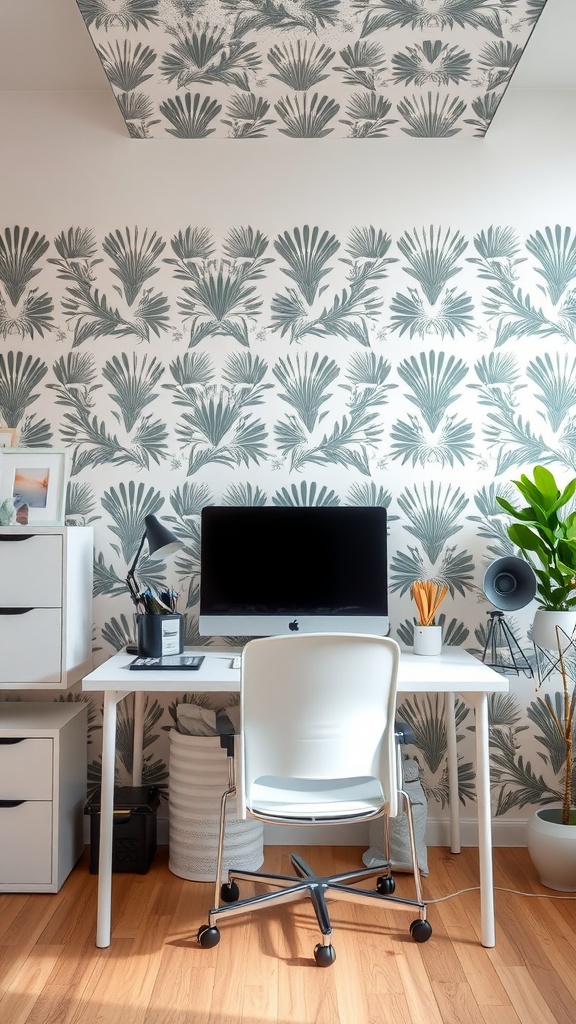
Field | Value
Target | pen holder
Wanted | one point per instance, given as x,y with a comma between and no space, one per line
159,635
427,640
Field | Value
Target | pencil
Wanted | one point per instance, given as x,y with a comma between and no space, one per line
428,597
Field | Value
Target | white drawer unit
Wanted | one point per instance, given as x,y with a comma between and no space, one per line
46,578
42,793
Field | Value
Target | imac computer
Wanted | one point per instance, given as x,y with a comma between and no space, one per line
269,570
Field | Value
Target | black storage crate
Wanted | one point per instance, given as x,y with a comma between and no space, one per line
134,829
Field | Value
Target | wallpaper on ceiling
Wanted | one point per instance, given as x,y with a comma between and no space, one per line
359,69
420,371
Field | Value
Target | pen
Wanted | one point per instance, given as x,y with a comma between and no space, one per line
162,604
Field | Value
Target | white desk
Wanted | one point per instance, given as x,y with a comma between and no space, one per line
454,671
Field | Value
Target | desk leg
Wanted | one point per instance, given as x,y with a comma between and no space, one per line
453,792
104,919
480,703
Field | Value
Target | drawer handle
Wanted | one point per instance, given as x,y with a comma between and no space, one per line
15,611
11,803
10,740
9,537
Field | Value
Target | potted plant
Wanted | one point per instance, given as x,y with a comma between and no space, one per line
546,536
547,539
551,837
428,597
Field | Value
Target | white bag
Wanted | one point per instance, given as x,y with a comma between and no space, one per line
399,834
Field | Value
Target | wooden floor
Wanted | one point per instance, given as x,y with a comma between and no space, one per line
262,972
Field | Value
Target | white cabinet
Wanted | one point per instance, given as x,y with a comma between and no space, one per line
42,793
45,606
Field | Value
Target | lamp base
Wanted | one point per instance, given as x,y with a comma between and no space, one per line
499,640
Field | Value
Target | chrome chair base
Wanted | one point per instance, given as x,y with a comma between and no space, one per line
305,883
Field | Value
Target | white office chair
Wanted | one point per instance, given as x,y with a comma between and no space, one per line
317,745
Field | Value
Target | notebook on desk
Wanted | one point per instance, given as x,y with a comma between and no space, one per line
186,662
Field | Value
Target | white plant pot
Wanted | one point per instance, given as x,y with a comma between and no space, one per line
544,627
552,847
427,640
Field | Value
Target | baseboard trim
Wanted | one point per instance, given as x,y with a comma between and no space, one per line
504,833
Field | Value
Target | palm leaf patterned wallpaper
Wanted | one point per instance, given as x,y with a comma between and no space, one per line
309,69
419,371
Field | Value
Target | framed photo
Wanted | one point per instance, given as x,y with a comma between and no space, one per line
35,480
8,437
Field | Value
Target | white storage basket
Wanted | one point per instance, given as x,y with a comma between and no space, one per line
198,777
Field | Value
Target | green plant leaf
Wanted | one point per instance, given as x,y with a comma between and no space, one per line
20,251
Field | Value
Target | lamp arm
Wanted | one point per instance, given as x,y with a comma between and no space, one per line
130,581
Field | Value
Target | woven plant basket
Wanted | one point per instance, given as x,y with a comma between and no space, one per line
198,777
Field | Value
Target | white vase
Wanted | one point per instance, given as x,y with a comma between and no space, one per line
427,640
552,847
544,627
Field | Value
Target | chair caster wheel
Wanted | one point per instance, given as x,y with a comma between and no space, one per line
229,892
385,885
208,937
420,930
324,955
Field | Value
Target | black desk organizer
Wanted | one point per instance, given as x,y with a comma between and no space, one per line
160,635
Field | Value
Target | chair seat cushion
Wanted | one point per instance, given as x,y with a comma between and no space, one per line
316,799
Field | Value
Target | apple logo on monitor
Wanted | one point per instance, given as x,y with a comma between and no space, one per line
293,626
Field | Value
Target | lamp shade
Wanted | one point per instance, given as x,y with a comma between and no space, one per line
161,542
509,583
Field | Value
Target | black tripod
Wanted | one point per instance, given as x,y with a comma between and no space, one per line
500,637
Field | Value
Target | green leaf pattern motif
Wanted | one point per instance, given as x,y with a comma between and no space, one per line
301,366
311,69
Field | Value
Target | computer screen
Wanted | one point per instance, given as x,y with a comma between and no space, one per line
268,570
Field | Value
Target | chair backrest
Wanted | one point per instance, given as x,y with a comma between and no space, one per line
318,706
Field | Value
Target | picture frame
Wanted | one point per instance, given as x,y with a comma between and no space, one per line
36,479
8,437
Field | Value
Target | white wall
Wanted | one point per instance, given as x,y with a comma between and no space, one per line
66,161
66,155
